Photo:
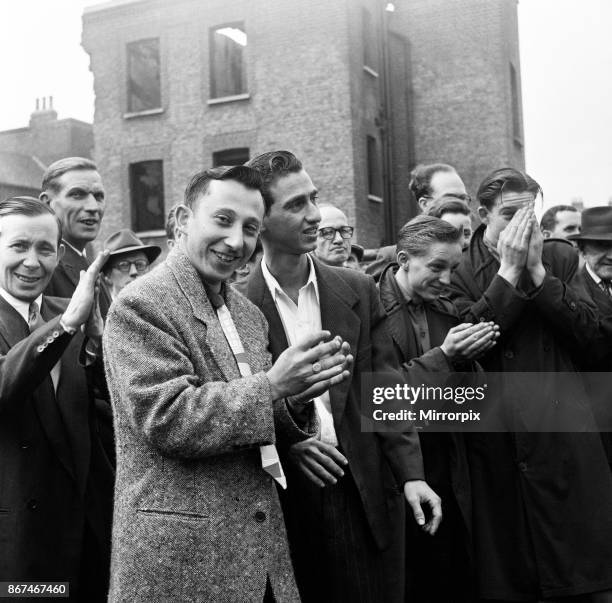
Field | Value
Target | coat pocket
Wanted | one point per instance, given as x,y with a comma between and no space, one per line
171,514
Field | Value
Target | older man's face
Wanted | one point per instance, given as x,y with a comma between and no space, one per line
598,255
337,249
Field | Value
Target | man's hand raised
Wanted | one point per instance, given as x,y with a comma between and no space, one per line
310,367
82,300
468,341
513,245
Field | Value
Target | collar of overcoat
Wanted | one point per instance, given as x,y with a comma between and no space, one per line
337,301
193,289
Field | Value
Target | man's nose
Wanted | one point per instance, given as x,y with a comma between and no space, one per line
91,204
445,277
31,260
313,214
235,238
133,271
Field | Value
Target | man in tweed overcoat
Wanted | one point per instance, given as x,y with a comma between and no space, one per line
196,517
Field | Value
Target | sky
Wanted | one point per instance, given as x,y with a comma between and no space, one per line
566,71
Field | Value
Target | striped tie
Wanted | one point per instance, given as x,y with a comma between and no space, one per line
270,460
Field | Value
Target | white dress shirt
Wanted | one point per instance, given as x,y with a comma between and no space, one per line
298,321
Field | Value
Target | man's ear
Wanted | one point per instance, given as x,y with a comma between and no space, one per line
44,197
403,259
61,250
182,215
546,233
422,201
483,214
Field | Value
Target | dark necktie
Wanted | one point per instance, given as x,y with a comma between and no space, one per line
606,287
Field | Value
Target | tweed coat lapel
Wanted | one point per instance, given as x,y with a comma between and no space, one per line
257,291
337,301
217,347
14,329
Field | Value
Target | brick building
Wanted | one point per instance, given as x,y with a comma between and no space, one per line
26,152
360,92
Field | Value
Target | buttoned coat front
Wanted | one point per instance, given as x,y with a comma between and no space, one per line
196,517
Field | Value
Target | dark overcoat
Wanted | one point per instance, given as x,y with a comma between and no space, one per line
542,501
54,474
196,517
444,458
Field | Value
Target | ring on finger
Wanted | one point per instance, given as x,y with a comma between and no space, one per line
316,367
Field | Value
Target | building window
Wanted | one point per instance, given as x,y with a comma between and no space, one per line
370,43
144,91
236,156
374,170
517,130
147,195
228,60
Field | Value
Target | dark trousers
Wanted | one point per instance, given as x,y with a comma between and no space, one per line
334,554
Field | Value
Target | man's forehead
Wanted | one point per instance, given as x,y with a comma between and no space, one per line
80,178
444,182
332,216
291,185
514,199
21,225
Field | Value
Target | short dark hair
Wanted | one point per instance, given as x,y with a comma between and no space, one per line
198,185
421,175
58,168
416,236
447,204
30,207
549,217
271,166
507,178
171,223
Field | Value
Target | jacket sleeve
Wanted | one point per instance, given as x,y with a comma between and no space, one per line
402,450
501,302
24,367
154,385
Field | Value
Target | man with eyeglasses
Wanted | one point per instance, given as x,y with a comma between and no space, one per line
427,184
129,258
541,494
333,237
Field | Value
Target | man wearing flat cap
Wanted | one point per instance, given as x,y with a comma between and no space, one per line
595,278
129,258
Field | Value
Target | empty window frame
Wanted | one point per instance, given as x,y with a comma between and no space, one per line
228,45
147,195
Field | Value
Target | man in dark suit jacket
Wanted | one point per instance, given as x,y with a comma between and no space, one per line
336,533
595,279
72,187
56,483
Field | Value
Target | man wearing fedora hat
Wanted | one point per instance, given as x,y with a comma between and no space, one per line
129,258
595,278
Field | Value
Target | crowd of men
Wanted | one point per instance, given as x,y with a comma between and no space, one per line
192,431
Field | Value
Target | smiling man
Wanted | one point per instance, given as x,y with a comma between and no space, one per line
56,483
73,188
198,410
339,509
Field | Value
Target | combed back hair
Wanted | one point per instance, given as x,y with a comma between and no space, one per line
199,184
171,223
549,217
271,166
30,207
58,168
447,204
416,237
421,175
510,179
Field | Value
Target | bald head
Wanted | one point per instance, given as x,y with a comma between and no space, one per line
335,250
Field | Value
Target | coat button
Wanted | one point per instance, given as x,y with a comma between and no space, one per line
25,445
56,333
522,467
260,516
509,354
32,504
49,339
572,305
40,348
